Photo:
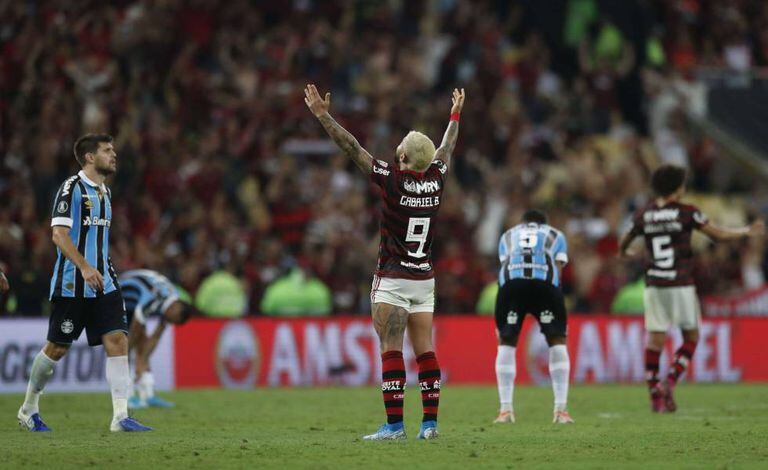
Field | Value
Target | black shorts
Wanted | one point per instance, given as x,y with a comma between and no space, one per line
99,316
541,299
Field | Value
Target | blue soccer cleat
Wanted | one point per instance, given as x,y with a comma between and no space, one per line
387,432
136,403
428,430
32,423
128,425
157,402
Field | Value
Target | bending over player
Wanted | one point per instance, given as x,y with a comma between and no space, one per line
670,296
403,290
149,294
532,255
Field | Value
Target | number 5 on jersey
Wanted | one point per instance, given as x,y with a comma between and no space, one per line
663,254
418,228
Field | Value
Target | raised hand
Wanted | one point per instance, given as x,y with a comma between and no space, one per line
346,141
315,103
458,100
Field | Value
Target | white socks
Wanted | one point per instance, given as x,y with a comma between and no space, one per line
118,376
506,369
42,370
146,386
559,370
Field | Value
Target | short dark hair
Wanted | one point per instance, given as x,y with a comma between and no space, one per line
667,179
535,216
89,143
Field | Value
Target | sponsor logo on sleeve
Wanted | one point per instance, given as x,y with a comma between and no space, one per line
62,207
380,171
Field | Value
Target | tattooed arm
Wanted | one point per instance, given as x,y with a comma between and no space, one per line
346,141
452,132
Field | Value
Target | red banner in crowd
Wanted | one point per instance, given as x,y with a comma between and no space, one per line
344,351
753,303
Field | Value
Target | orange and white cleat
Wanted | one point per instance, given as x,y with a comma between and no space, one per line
562,417
505,417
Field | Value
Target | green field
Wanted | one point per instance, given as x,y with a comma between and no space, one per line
717,426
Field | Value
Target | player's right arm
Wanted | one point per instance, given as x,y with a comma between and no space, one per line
626,241
67,200
451,135
62,240
345,141
629,237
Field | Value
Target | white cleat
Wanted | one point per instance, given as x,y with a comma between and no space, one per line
505,417
562,417
31,422
387,432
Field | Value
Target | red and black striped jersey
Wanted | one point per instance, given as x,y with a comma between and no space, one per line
667,230
410,204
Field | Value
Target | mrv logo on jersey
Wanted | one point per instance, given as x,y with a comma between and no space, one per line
96,221
421,187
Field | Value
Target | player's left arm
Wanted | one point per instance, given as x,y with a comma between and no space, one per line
152,341
451,135
561,253
722,234
345,141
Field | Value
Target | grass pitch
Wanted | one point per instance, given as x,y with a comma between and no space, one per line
716,426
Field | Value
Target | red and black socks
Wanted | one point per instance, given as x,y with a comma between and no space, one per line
652,368
680,363
429,381
393,384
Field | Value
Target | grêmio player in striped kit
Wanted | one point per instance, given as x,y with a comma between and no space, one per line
670,297
403,291
84,290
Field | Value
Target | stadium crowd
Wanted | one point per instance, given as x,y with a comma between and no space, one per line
222,168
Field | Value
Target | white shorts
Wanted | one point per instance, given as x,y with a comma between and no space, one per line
667,307
414,296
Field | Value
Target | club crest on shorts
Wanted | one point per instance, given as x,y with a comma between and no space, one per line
546,316
67,326
512,318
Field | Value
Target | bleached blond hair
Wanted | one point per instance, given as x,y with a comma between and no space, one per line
419,149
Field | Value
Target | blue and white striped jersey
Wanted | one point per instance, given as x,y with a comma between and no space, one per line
530,251
147,293
84,207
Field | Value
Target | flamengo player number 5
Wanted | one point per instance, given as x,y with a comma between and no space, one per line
663,254
415,223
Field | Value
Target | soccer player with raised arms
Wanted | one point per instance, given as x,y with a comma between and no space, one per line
670,296
403,290
532,255
84,292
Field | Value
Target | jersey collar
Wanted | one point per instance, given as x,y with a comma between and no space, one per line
85,178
